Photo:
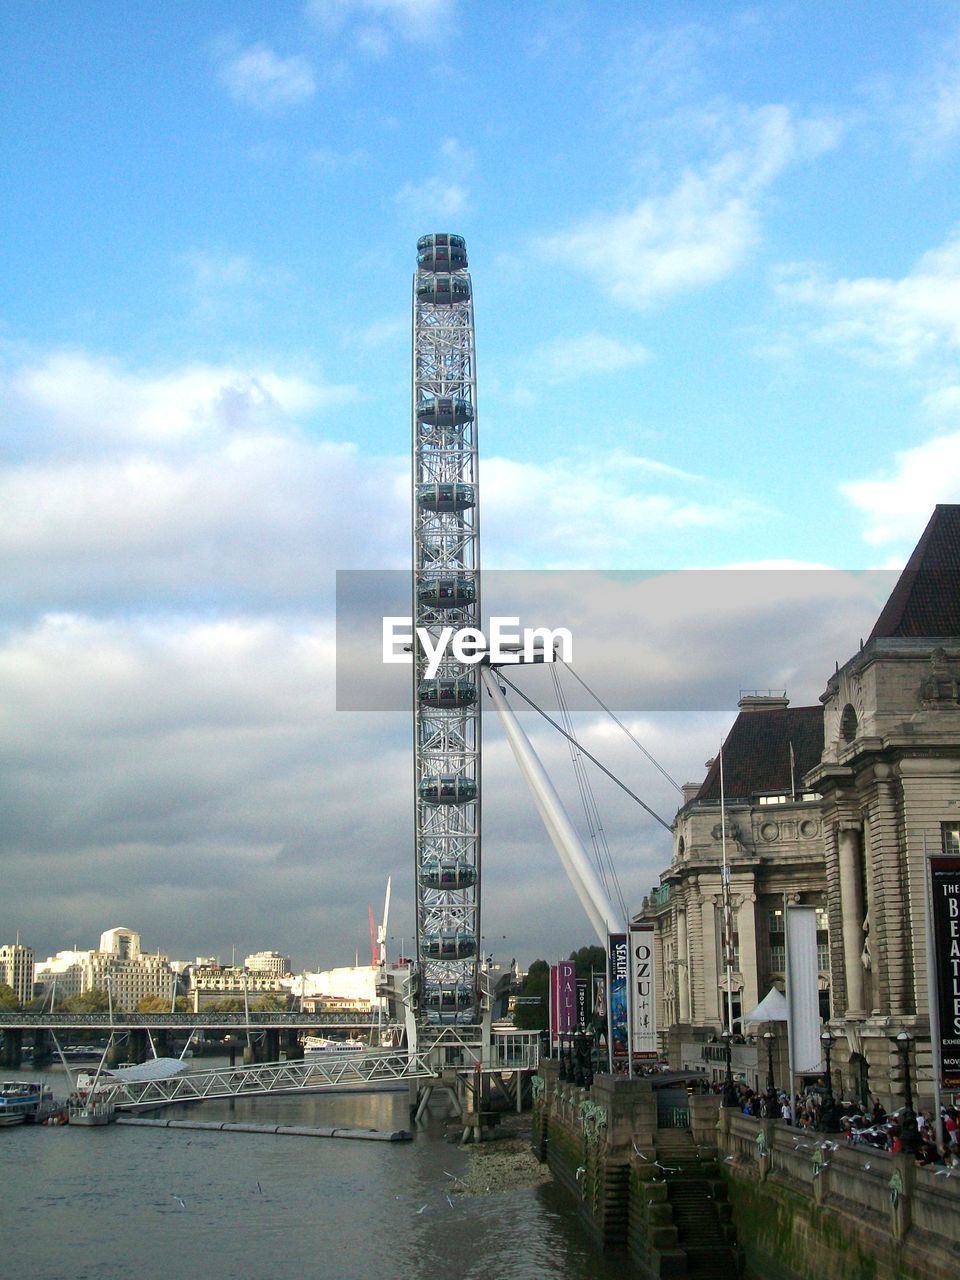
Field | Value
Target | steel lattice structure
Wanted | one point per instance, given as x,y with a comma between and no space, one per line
446,593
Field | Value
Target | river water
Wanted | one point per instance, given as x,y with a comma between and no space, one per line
105,1204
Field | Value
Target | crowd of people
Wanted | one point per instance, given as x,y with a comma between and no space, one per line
870,1126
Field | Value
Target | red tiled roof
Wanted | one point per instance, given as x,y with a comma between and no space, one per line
756,754
926,600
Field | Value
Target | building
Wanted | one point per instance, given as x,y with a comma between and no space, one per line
770,834
211,983
119,965
890,781
271,963
836,806
17,969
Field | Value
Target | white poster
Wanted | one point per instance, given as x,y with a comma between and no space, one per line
643,1009
803,990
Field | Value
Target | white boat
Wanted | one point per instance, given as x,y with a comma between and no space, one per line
91,1109
20,1101
321,1047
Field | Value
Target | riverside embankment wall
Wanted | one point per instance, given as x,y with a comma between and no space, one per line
808,1212
801,1212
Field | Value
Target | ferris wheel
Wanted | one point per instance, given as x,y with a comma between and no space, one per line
446,593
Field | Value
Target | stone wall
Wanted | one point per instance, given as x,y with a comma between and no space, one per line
809,1211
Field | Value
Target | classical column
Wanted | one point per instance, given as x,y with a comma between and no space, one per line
683,969
851,903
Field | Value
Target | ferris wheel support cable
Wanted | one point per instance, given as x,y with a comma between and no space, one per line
602,767
600,911
588,799
636,742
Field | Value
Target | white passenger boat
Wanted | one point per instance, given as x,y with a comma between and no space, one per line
21,1101
321,1047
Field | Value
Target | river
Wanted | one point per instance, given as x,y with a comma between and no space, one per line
127,1203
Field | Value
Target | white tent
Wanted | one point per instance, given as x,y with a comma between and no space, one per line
772,1008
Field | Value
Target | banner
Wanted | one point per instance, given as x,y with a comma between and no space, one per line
563,998
582,1020
945,895
643,979
803,989
599,1009
618,960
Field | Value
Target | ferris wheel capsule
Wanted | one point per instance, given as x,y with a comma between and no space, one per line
444,411
449,945
441,252
447,694
449,876
445,788
446,593
443,290
446,498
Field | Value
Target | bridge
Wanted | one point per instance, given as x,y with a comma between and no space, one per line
337,1071
209,1020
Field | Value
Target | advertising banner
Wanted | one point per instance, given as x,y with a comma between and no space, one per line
945,897
803,989
618,960
599,1008
583,1005
642,976
563,998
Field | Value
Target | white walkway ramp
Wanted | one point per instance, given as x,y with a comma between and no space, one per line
372,1068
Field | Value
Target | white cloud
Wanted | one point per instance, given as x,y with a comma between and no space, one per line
262,79
702,230
897,506
903,321
88,403
591,353
444,194
413,20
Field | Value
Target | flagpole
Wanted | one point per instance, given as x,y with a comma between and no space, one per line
727,930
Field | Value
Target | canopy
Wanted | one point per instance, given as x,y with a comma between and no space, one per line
772,1008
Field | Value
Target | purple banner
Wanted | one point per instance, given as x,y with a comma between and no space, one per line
619,964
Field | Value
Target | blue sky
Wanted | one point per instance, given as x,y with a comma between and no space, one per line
716,263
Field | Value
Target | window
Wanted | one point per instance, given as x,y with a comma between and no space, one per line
950,834
773,799
776,940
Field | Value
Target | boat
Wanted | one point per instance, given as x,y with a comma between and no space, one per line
21,1101
321,1047
91,1109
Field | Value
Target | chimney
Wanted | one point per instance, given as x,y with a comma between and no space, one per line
763,700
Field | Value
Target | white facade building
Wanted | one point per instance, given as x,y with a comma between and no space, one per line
17,969
271,963
120,963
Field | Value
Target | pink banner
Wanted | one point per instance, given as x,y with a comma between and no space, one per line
563,998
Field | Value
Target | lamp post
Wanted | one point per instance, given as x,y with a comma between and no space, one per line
909,1135
768,1040
828,1114
730,1098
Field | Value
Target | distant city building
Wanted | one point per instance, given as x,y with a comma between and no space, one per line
17,969
357,983
268,962
120,965
211,983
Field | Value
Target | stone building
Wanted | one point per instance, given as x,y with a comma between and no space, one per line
16,969
120,964
774,847
268,962
842,821
890,781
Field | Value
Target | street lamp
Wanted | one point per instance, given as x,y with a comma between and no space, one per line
730,1098
768,1040
909,1135
828,1114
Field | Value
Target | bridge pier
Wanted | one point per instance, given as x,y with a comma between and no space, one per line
271,1046
42,1048
292,1046
12,1048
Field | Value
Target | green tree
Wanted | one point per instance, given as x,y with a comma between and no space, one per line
536,985
589,960
153,1004
8,998
92,1001
269,1004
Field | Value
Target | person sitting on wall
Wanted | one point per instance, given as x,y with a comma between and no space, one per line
894,1141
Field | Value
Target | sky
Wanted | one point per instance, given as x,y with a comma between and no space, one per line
715,251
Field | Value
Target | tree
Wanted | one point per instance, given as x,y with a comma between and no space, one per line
93,1001
153,1004
536,985
589,960
8,998
269,1004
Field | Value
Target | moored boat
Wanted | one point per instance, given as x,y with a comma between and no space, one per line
21,1101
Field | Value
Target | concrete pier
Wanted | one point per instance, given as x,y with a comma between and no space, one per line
285,1130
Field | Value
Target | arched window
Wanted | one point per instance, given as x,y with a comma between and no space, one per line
848,724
